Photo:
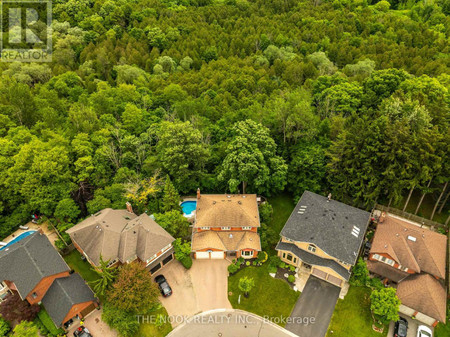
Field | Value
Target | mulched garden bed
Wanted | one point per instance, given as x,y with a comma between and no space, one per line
280,275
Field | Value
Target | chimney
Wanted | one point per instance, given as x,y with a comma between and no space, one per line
329,197
129,207
198,193
382,217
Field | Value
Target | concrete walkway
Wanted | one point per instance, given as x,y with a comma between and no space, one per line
51,234
93,322
229,323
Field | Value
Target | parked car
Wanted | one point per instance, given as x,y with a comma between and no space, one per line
401,328
164,287
424,331
82,332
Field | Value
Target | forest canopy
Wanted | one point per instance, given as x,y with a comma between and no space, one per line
344,96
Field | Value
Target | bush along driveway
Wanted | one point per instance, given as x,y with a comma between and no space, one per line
270,297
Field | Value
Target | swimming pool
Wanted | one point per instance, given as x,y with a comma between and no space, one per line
18,238
188,207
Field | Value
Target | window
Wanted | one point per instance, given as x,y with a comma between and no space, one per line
225,228
289,257
246,228
284,255
34,295
247,253
295,260
312,248
2,286
205,228
383,259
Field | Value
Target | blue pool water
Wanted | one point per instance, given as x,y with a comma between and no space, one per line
188,207
18,238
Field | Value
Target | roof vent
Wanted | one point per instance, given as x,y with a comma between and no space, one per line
231,236
412,238
244,196
240,202
355,231
397,235
228,196
214,202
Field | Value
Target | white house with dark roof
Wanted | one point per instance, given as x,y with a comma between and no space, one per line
323,237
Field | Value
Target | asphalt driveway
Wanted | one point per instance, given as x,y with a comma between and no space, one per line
317,300
203,287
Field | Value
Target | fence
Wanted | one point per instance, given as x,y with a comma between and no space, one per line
411,217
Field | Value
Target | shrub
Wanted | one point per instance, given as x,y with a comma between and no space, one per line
360,276
247,263
272,270
376,284
186,262
274,261
262,257
282,265
265,212
232,268
292,268
4,327
240,260
383,6
291,278
254,263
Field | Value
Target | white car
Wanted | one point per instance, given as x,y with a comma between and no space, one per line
424,331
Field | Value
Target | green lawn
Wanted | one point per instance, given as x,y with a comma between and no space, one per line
45,319
83,268
150,330
282,204
442,330
270,297
352,316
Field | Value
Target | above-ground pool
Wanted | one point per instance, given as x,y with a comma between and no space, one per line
188,207
18,238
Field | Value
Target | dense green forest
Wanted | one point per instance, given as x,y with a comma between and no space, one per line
344,96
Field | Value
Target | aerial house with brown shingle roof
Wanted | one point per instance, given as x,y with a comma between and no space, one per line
226,225
413,259
121,236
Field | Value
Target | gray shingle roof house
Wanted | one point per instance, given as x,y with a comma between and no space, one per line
121,237
324,236
64,294
34,269
28,261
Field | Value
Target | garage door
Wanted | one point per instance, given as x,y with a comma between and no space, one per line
155,268
87,310
217,255
202,255
334,280
167,259
319,273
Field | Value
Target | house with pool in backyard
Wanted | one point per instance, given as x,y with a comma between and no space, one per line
32,269
226,225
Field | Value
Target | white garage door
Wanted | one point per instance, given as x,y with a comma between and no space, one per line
217,255
202,255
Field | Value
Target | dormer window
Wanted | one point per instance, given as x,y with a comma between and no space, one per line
205,228
34,295
312,248
246,228
226,228
2,286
